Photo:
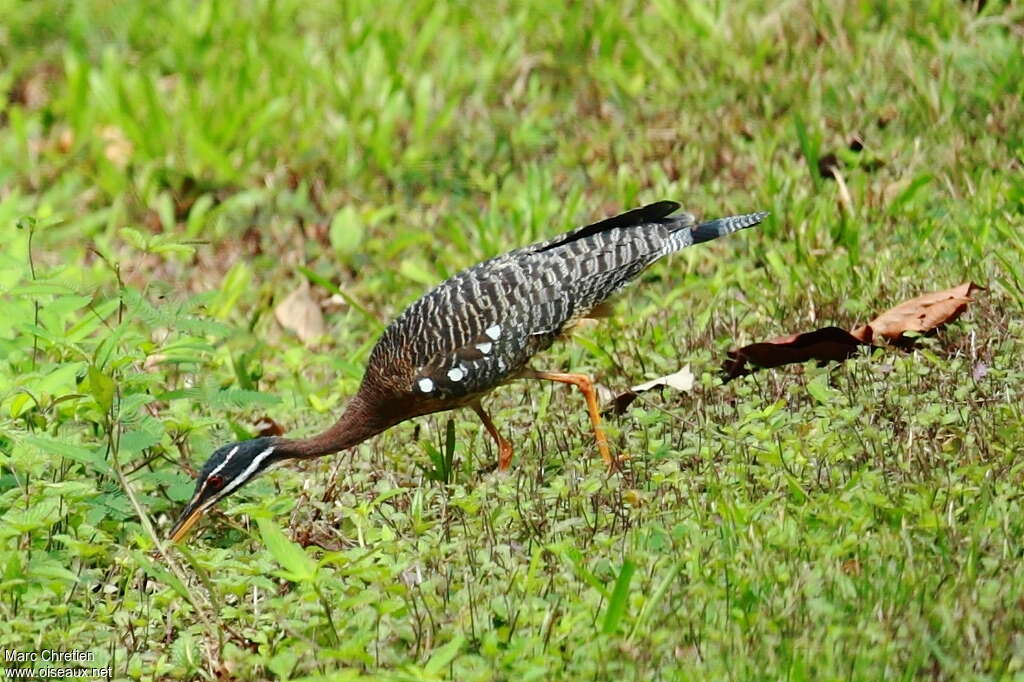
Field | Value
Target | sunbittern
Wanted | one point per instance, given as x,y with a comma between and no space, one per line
474,332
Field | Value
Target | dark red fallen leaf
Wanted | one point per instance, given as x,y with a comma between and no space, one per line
619,404
922,314
824,345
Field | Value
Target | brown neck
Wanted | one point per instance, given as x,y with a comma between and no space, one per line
358,422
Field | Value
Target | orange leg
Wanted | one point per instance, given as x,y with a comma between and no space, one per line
585,385
504,447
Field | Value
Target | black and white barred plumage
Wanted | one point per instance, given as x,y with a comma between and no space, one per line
474,332
480,327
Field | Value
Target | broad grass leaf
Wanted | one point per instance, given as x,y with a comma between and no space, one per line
231,398
43,568
655,597
574,555
101,387
906,195
415,271
77,453
820,391
41,514
444,655
346,231
138,440
297,564
235,283
88,323
155,570
20,404
620,596
61,381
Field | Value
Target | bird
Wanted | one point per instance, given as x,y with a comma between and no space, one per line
475,331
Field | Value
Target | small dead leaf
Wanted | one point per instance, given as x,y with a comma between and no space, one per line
265,426
323,539
604,394
828,164
980,371
118,149
824,345
922,314
301,314
886,116
335,303
33,89
620,403
152,362
65,139
680,381
845,200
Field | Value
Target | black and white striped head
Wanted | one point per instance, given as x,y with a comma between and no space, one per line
227,470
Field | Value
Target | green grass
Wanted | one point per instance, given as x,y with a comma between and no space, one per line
178,168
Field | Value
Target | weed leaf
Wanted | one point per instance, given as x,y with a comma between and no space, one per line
297,564
444,655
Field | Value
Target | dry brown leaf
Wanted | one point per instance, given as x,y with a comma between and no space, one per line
680,381
117,148
844,198
301,314
33,89
823,345
266,426
921,314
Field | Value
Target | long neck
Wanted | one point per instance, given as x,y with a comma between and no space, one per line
358,422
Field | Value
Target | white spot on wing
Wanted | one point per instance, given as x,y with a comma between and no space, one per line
493,332
456,374
425,384
485,347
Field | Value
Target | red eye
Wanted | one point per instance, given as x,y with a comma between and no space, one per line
216,482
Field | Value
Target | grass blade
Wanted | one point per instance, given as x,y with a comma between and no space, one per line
656,596
617,603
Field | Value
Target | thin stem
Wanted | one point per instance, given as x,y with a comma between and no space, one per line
113,446
35,301
327,612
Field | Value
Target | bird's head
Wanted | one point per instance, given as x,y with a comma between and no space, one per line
227,470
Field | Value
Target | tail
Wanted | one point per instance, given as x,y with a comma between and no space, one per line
713,229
